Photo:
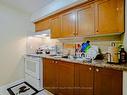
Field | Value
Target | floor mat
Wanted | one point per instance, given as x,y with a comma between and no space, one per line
22,89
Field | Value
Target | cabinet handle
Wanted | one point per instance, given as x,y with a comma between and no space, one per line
97,30
74,33
90,69
97,70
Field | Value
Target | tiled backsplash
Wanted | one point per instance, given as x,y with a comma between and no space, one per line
102,42
68,44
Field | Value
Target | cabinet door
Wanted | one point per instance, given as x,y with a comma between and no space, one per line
107,82
55,27
42,25
50,75
121,15
66,78
68,24
83,79
107,17
85,20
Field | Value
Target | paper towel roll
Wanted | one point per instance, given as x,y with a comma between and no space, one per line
113,54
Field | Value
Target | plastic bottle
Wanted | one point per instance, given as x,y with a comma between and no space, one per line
85,46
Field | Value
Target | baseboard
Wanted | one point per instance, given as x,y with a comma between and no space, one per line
2,88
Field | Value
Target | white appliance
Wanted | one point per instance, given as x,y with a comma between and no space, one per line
33,71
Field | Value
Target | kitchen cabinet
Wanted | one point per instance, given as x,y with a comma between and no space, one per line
42,25
107,17
58,77
95,17
85,20
56,27
84,79
50,75
97,81
66,78
121,15
107,81
68,23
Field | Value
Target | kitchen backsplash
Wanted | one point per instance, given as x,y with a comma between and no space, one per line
33,43
68,45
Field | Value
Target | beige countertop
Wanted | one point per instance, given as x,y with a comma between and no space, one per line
97,63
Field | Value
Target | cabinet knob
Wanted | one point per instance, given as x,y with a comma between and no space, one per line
52,61
97,70
90,69
97,30
56,62
74,33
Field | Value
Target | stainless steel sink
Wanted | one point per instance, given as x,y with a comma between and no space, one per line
72,58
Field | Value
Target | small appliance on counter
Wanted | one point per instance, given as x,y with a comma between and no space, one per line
50,50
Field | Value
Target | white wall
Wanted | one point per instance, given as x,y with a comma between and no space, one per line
53,7
14,25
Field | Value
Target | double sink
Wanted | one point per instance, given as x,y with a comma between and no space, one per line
81,59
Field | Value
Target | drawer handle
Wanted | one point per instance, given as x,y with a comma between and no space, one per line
97,70
90,69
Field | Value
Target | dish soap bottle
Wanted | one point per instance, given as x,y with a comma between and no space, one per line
123,55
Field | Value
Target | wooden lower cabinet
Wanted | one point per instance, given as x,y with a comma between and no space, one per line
107,82
50,75
66,78
58,77
83,79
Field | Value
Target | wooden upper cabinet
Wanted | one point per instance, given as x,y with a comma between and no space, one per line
107,17
68,22
55,27
121,15
107,81
42,25
85,20
88,19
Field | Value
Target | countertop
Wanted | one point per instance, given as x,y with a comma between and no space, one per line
97,63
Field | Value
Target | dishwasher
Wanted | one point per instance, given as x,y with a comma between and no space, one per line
34,71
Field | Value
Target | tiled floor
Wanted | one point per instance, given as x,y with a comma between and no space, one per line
3,91
45,92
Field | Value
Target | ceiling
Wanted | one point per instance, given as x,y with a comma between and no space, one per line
29,6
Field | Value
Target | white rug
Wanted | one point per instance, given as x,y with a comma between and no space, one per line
26,89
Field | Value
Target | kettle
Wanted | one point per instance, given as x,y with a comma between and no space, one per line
112,54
